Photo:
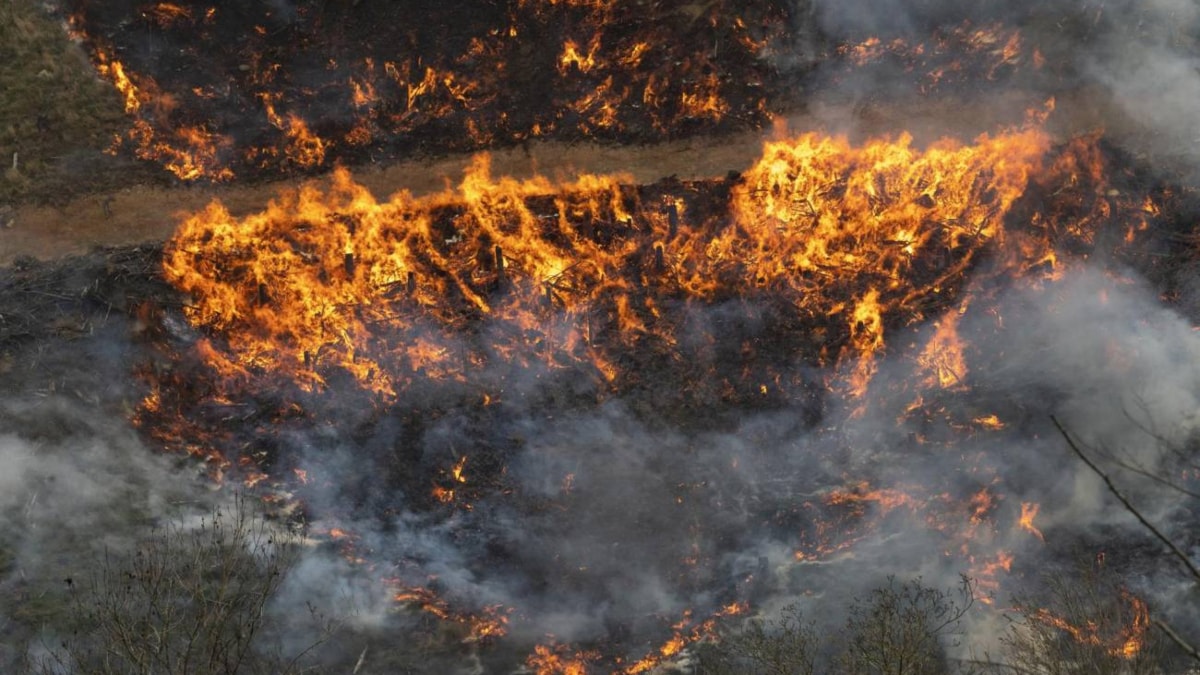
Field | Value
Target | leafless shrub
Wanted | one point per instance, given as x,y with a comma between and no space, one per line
898,629
1085,623
903,628
786,646
191,599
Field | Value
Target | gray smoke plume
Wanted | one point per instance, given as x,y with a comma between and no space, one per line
74,484
612,521
613,525
1131,67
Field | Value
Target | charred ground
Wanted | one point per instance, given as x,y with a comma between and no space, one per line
113,309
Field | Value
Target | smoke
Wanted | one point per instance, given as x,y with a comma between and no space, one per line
592,516
1135,62
610,522
74,483
1117,368
609,518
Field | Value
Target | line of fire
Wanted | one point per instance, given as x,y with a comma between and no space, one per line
583,423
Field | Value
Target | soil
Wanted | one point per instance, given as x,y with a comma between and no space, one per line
147,213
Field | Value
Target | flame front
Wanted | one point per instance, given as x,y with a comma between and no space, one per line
1124,640
865,233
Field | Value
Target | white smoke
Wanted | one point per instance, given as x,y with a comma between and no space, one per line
74,484
1137,60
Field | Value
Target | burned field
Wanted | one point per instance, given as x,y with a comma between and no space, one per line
218,93
470,410
315,84
587,424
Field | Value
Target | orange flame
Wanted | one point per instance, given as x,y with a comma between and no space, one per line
1126,643
1029,511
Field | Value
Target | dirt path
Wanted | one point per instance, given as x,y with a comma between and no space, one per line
149,213
142,214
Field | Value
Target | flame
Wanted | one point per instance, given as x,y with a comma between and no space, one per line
557,659
490,623
886,499
622,71
1029,511
986,574
1128,639
457,471
304,149
553,660
943,356
989,422
447,495
958,54
822,209
859,243
573,58
166,14
187,151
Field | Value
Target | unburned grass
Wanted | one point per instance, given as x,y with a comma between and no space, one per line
56,116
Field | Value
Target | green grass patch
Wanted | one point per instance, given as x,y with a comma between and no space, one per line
55,112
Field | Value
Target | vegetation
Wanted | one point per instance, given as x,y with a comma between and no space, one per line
786,646
901,628
1088,624
56,116
1085,623
193,598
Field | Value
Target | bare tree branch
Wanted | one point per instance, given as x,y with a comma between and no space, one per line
1116,492
1150,475
1175,637
1147,427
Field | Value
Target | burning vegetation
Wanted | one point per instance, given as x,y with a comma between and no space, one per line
454,303
588,424
379,81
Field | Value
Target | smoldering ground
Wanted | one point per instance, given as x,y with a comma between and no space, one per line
608,525
604,523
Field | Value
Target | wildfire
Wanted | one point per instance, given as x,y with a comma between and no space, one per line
962,53
491,622
864,248
1123,641
446,495
301,290
856,244
557,659
943,356
187,151
1029,511
623,70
